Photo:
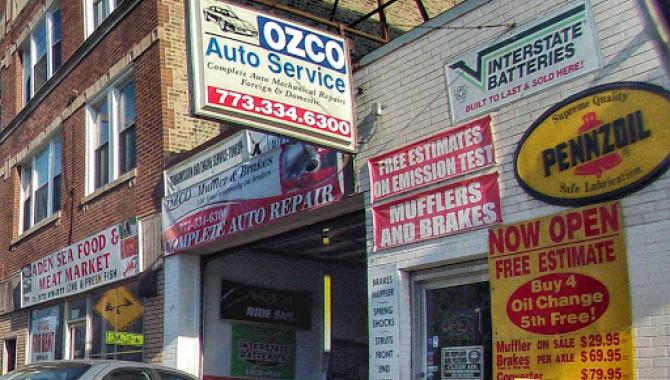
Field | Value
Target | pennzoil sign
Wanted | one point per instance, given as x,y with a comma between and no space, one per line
597,145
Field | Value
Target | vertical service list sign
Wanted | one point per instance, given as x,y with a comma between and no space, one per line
271,74
383,319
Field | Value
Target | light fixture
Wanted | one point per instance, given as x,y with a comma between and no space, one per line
325,237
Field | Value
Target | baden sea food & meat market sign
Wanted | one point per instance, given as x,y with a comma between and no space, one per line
100,259
552,50
597,145
271,74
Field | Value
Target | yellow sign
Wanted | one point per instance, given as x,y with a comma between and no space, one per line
597,145
560,297
119,307
124,338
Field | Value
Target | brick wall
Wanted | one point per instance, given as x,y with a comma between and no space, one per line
410,84
15,327
183,132
131,44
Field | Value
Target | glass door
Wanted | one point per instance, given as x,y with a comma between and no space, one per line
77,339
454,323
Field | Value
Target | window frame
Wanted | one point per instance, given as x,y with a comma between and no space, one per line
112,96
28,51
89,14
28,181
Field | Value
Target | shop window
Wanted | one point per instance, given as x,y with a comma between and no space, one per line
107,323
46,334
96,12
117,324
41,185
41,54
111,131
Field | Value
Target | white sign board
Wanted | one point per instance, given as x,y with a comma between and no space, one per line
463,362
43,329
383,320
554,49
100,259
270,74
221,156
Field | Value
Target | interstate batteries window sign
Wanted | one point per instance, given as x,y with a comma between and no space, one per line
449,209
262,353
440,157
271,74
597,145
554,49
286,181
103,258
560,297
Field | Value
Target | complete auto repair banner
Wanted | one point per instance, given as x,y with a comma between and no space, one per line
285,181
560,297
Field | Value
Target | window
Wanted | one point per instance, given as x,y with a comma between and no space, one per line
76,328
111,134
129,374
40,185
97,11
170,375
105,323
41,54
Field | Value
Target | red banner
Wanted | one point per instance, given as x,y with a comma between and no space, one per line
285,181
446,210
447,155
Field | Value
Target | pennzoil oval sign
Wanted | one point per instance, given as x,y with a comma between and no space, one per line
597,145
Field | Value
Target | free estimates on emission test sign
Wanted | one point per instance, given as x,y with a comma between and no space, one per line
270,74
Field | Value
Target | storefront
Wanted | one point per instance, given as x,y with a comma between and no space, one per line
277,239
85,300
516,200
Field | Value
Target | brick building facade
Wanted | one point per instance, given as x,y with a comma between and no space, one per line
72,74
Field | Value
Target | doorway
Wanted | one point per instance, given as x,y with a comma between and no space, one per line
9,355
453,309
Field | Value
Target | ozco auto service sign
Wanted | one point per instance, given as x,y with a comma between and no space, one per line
554,49
270,74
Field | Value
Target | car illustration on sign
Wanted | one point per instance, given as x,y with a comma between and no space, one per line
228,20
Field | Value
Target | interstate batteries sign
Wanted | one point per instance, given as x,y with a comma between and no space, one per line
552,50
102,258
599,144
270,74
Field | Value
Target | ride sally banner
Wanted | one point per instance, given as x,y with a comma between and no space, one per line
560,297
